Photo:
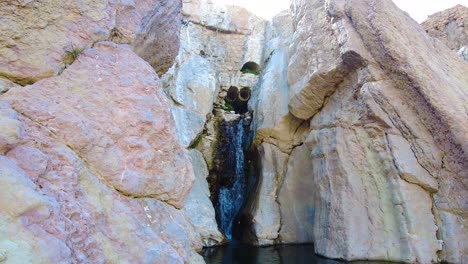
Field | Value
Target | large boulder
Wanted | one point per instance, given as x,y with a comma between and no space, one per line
387,137
193,94
108,108
265,210
37,36
93,168
382,173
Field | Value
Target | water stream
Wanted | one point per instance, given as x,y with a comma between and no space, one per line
233,186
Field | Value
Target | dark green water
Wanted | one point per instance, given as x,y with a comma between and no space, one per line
246,254
281,254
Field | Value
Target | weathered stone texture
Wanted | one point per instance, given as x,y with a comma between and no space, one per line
198,206
35,35
449,26
387,135
157,37
90,167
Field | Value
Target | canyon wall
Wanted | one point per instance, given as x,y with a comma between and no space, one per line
90,168
363,150
215,43
359,125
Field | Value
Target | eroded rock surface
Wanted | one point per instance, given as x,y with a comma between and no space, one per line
198,206
387,135
449,26
90,168
36,35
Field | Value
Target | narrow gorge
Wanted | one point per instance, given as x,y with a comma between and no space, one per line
154,131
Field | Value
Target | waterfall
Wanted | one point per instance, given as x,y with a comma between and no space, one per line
232,191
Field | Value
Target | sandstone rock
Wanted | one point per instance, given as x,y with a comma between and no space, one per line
32,161
64,193
33,48
449,26
117,121
12,131
198,206
157,37
6,85
71,215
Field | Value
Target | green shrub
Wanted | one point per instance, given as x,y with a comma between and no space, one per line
228,107
250,71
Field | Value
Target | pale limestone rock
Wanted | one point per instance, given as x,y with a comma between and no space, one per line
189,125
277,132
266,211
365,203
382,164
385,121
157,37
198,206
194,92
118,121
227,36
296,198
215,42
407,164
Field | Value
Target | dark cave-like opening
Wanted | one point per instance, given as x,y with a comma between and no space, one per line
238,99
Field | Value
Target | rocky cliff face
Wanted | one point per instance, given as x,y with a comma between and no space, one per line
359,123
449,26
35,35
367,144
215,43
91,170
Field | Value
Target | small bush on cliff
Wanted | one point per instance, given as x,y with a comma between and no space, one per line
71,55
228,107
254,72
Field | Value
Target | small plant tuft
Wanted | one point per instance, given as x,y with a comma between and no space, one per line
228,107
71,55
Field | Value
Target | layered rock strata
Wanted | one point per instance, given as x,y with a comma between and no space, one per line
449,26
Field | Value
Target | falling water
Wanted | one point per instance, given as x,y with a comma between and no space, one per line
232,196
